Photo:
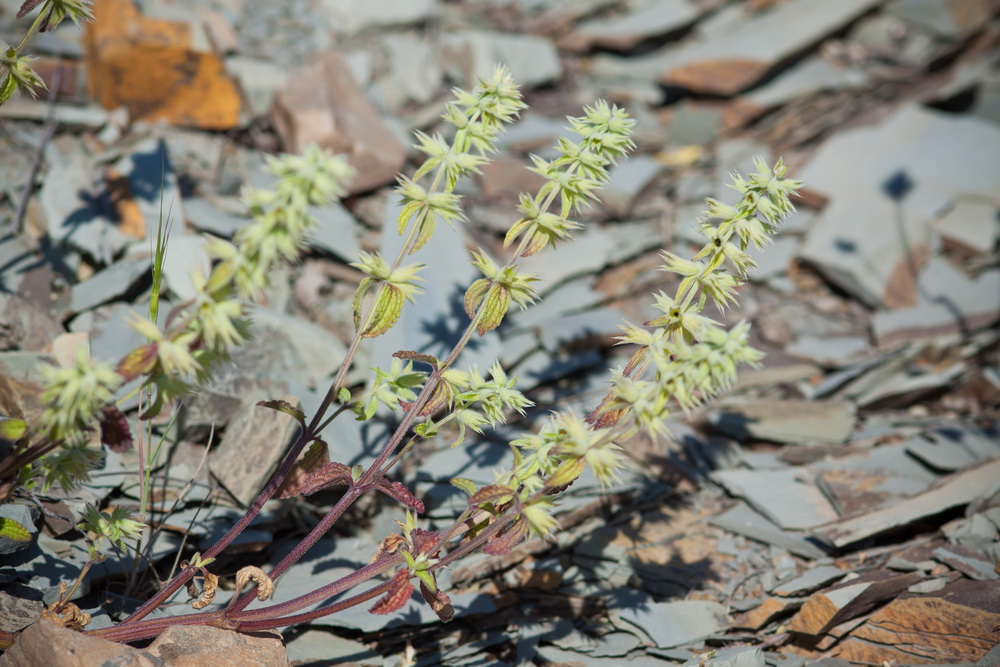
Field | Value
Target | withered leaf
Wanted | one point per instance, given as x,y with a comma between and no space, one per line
490,493
399,592
399,491
115,431
317,455
265,587
286,407
503,543
329,474
439,602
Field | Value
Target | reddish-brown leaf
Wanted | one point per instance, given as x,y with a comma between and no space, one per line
503,543
331,474
115,431
138,362
399,491
439,602
26,7
408,355
490,493
390,545
317,455
424,541
397,595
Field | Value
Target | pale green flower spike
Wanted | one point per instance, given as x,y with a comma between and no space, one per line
73,396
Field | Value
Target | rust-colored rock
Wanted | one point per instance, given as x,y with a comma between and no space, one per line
49,644
768,610
149,66
958,624
842,602
716,77
322,104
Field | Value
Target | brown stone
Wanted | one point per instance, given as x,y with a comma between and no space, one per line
198,645
767,611
507,177
832,606
716,77
47,643
959,624
149,66
322,104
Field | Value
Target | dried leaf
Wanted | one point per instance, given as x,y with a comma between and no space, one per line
208,591
439,602
400,492
115,431
425,541
397,595
390,545
317,455
410,355
66,614
326,475
503,543
265,587
138,362
26,7
490,493
286,407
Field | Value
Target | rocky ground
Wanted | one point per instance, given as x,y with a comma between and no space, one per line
840,505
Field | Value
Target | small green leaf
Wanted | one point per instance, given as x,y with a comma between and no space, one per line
7,88
464,484
386,310
344,395
286,407
426,429
12,429
12,530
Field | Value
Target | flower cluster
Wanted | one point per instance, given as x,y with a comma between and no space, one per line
690,356
73,396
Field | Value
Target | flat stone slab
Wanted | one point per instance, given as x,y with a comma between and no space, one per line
789,421
672,624
780,495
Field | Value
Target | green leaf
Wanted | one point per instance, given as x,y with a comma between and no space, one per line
286,407
12,429
7,88
12,530
344,395
464,484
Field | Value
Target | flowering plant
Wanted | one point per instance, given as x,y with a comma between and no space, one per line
682,359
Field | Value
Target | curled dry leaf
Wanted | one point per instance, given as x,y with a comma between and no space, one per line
67,615
265,587
439,602
208,591
390,545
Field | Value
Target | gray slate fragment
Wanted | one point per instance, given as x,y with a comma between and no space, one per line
251,449
335,232
742,520
780,495
110,283
317,645
951,20
969,563
207,217
812,580
353,16
929,585
468,55
887,183
811,75
734,656
972,226
947,456
626,181
834,352
259,80
956,490
789,421
625,31
186,254
672,624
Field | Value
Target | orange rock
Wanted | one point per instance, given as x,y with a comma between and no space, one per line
149,66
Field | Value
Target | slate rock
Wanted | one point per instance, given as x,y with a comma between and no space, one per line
812,579
971,227
628,30
672,624
23,515
259,81
806,77
468,55
412,75
315,645
626,181
144,190
20,606
735,656
733,60
885,190
353,16
251,449
832,352
186,256
780,495
322,104
951,20
113,282
789,421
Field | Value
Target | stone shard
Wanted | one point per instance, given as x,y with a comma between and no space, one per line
155,68
957,624
468,55
780,495
790,421
251,448
322,104
671,624
952,491
625,32
848,600
195,645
